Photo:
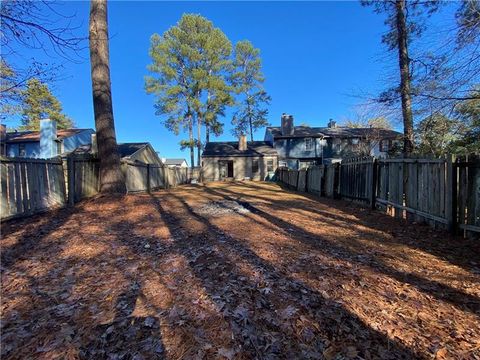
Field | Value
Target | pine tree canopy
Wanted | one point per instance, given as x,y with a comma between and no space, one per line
39,103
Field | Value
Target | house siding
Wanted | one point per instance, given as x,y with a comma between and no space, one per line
242,167
147,155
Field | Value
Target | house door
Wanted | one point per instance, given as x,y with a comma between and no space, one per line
226,168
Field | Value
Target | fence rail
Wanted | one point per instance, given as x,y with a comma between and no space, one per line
29,186
442,192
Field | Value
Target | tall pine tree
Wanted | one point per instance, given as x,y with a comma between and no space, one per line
248,80
37,102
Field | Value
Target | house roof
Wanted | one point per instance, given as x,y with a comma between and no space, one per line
174,161
128,149
230,148
33,136
336,132
125,149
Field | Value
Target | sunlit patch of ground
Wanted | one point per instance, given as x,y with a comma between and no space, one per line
237,271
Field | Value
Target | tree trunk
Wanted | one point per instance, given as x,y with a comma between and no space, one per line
199,136
404,63
207,133
190,136
111,176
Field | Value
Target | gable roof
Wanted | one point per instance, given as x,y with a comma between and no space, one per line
174,161
128,149
230,148
33,136
336,132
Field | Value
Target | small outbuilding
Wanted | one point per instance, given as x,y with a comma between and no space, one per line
239,160
175,162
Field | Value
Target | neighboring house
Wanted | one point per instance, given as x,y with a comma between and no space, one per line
175,162
46,143
141,152
239,160
300,146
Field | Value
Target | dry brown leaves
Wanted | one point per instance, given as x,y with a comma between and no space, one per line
235,271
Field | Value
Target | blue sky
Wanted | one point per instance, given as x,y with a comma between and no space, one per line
315,56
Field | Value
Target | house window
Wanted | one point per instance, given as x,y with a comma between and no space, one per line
59,147
254,166
384,145
308,144
270,165
21,150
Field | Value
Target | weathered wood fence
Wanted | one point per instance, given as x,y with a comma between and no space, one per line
442,192
29,186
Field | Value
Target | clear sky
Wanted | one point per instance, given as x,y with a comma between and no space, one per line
315,56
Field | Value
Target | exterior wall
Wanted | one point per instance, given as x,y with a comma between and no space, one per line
82,138
32,149
147,155
242,167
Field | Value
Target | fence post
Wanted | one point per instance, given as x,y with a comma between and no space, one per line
71,180
451,194
148,178
373,195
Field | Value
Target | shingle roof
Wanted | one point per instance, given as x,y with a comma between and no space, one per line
174,161
128,149
32,136
230,148
342,132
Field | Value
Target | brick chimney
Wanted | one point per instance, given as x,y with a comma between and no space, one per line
287,125
48,137
242,143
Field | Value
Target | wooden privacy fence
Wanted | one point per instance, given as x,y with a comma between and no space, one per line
29,186
442,192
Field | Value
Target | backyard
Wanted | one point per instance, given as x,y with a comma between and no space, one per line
235,270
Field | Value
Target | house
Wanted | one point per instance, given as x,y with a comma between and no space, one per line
239,160
300,146
175,162
46,143
137,152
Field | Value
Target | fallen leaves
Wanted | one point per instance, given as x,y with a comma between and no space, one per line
194,273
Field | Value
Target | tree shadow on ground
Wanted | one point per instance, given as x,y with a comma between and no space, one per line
453,249
439,290
285,319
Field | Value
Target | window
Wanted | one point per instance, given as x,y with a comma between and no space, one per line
270,165
384,145
21,150
308,144
254,166
59,147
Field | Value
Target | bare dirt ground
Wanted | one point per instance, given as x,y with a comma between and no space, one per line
236,271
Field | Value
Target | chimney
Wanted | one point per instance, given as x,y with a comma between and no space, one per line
94,144
287,125
242,143
332,124
48,137
3,138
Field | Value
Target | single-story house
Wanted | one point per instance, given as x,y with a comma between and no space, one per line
141,152
300,146
239,160
175,162
44,144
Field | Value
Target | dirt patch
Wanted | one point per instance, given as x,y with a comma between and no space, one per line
235,271
220,208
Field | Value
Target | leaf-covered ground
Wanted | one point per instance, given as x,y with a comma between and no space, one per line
236,271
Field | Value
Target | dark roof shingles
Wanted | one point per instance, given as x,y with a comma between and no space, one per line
345,132
230,148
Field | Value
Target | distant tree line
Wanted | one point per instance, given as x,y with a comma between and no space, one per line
196,74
